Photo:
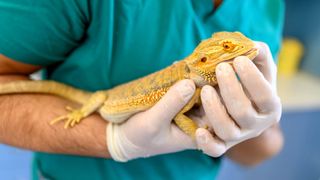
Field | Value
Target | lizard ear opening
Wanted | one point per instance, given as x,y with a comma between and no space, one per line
187,69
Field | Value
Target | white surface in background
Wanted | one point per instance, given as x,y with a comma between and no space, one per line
300,92
36,75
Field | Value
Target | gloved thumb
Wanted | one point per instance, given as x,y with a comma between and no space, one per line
172,102
264,62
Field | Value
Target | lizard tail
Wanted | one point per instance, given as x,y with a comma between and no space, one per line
45,87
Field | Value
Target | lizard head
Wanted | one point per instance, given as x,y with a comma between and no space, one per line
221,47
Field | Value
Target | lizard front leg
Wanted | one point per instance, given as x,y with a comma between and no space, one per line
186,124
76,115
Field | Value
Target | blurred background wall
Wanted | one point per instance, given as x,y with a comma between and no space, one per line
300,94
302,22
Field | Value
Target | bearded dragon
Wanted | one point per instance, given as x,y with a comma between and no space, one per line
119,103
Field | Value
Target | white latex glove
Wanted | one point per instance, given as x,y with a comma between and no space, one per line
246,108
152,132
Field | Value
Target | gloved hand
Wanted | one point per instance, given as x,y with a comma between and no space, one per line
253,106
246,108
151,132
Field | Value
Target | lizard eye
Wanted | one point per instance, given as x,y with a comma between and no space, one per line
204,59
228,46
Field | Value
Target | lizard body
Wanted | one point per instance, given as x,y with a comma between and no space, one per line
121,102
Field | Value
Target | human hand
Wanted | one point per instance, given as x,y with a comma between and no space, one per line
151,132
245,109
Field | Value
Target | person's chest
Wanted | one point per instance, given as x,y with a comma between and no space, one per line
129,39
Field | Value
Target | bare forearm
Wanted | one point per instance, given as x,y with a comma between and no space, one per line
24,122
256,150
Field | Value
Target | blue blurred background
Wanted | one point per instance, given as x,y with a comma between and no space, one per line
300,93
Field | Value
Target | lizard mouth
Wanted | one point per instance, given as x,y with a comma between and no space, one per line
251,54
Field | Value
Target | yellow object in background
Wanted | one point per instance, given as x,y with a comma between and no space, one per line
290,56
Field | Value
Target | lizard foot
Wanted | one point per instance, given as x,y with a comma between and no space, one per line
72,118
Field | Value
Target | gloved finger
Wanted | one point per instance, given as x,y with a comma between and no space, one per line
208,144
181,138
224,127
236,101
171,103
259,89
264,62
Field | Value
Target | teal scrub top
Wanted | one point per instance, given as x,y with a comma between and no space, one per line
97,44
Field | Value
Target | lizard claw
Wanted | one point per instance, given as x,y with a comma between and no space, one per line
72,118
69,108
